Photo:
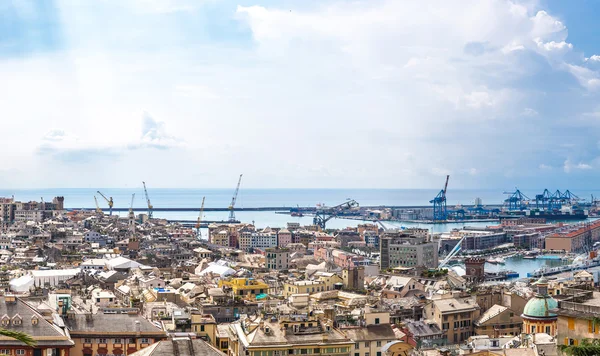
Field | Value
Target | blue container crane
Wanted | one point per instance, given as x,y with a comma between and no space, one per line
440,212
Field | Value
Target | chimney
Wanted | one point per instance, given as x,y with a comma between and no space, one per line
137,327
10,299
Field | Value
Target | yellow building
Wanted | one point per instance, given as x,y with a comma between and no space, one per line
293,335
498,321
454,316
577,314
111,333
221,238
223,337
303,287
329,279
246,287
205,326
537,315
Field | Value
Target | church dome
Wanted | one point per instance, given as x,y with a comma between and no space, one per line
539,306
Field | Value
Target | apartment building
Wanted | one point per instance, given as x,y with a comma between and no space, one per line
374,331
116,334
245,287
288,335
455,316
263,240
284,238
499,321
406,250
577,312
277,258
576,238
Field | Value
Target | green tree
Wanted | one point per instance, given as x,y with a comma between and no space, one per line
587,347
19,336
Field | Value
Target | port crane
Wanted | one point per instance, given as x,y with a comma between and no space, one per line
516,200
109,201
233,200
150,207
440,212
200,219
98,210
324,214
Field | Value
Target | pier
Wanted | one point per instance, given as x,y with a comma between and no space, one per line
265,208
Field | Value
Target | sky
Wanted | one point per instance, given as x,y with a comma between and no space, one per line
300,94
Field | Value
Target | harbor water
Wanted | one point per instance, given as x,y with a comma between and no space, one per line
523,266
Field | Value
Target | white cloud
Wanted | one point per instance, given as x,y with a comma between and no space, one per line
543,166
154,135
529,112
554,47
392,77
593,58
412,62
164,6
478,99
547,27
587,78
513,47
55,135
569,166
196,91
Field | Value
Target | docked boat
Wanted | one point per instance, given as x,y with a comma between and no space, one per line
496,261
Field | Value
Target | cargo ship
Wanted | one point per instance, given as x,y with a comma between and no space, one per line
549,215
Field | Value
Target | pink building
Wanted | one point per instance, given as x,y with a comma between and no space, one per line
339,258
284,238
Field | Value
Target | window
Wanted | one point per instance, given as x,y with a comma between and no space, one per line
532,329
356,346
548,330
367,344
376,321
20,352
201,327
116,341
378,343
102,341
378,353
132,341
144,340
5,352
87,341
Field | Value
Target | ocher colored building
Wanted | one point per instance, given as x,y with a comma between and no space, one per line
246,287
537,315
205,326
576,315
455,316
498,321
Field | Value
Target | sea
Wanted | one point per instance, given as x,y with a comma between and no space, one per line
76,198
